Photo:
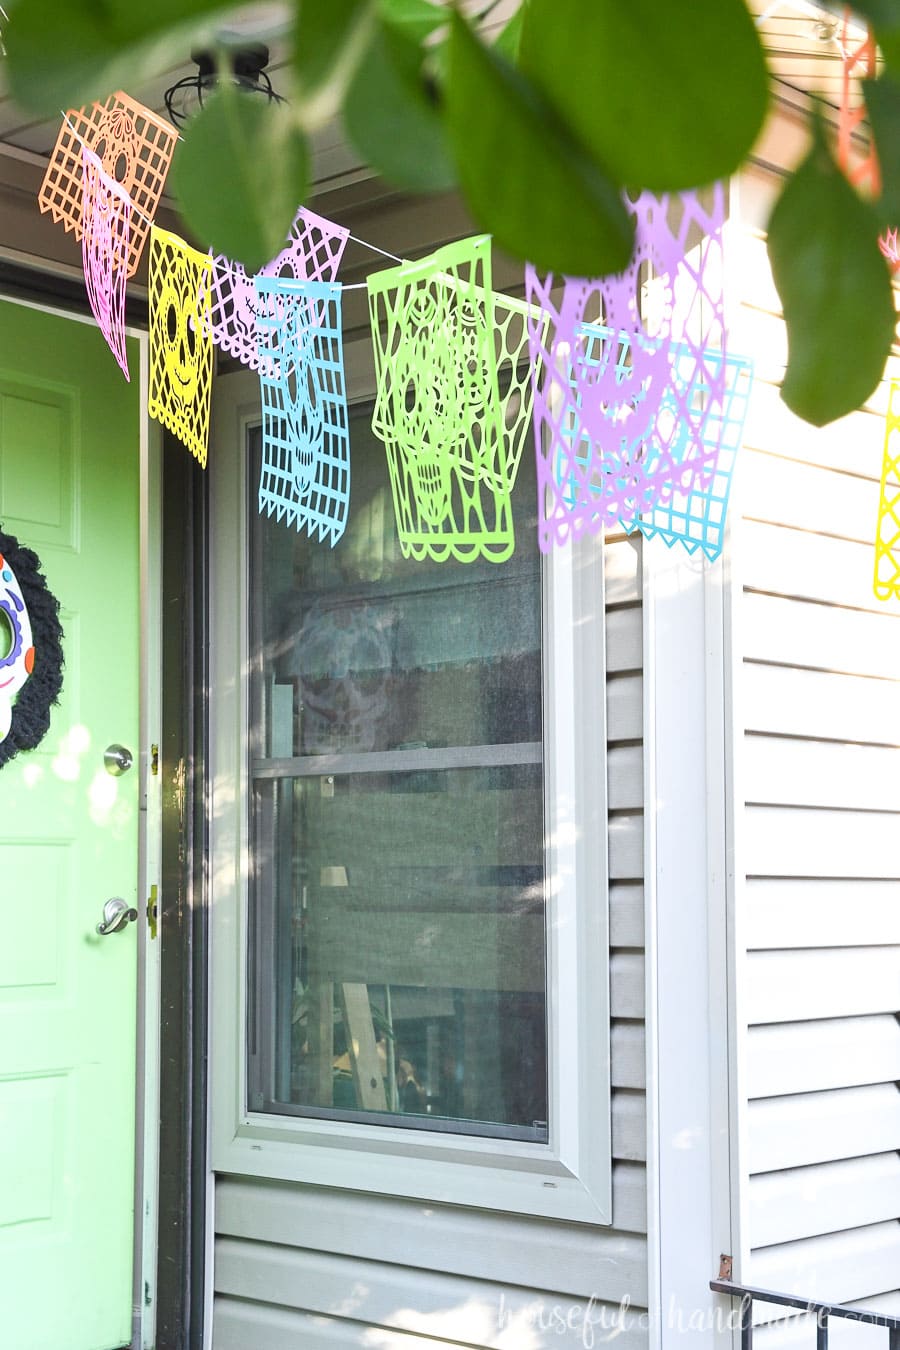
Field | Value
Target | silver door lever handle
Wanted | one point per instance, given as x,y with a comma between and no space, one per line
116,915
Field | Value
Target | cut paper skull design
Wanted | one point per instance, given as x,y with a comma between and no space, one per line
181,353
313,252
104,250
305,475
134,147
445,345
16,646
614,432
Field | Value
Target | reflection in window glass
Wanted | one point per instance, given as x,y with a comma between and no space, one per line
398,889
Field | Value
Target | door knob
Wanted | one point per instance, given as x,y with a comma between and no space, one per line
117,914
117,759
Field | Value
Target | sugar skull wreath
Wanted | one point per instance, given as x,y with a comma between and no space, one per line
31,655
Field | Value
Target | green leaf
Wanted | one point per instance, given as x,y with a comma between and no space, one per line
417,19
391,120
883,105
522,175
240,176
323,35
509,40
885,19
65,55
835,290
663,100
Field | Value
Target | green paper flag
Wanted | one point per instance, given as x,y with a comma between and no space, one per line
454,401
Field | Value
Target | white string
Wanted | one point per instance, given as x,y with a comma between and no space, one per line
375,249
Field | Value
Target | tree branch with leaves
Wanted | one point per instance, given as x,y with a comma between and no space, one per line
542,127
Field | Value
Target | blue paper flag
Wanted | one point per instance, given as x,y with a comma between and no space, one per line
305,476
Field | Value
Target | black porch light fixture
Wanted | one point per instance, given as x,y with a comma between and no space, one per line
243,66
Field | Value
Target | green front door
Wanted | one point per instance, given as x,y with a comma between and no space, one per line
69,477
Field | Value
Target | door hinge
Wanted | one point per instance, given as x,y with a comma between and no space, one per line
153,912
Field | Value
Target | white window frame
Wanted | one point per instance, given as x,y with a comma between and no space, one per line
568,1178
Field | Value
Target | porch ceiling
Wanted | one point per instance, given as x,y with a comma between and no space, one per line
802,40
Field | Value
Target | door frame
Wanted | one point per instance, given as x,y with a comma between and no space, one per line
17,289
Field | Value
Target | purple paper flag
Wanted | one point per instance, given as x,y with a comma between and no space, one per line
614,434
105,248
313,253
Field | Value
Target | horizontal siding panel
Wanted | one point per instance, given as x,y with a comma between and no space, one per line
809,1201
239,1325
852,443
816,1056
624,639
626,915
624,708
629,1055
822,912
626,984
794,562
822,1127
814,703
505,1249
625,778
825,982
251,1326
797,633
837,1267
780,771
626,848
622,570
629,1126
790,841
799,1333
785,492
399,1298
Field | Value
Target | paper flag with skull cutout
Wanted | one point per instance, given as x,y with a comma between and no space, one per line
104,250
887,537
614,432
453,401
312,253
135,149
181,350
31,657
305,475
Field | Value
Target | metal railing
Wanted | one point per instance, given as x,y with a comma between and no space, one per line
821,1311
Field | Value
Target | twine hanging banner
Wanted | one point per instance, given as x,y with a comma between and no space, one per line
305,476
615,433
313,253
181,350
445,346
134,147
105,244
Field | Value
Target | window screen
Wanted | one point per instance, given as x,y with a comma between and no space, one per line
397,925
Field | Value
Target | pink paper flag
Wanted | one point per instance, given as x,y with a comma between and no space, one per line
313,253
614,434
105,245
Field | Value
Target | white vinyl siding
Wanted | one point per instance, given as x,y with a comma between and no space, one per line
818,893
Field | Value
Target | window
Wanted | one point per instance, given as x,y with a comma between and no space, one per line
409,890
398,906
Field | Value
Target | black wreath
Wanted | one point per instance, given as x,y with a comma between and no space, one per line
31,710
